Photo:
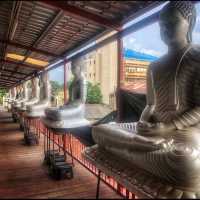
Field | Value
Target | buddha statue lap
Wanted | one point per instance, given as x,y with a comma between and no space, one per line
166,140
37,109
70,115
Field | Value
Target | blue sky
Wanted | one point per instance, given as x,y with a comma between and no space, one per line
146,40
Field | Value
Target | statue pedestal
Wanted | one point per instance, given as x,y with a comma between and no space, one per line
137,181
31,130
57,163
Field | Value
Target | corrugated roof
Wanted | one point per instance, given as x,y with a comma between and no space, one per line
131,54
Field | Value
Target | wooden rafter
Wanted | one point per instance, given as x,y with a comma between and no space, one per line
22,65
22,46
77,12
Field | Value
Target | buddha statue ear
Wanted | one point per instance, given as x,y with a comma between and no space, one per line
192,22
189,33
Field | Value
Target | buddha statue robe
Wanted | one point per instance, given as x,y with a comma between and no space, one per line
173,96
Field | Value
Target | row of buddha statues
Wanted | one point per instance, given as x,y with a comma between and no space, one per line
165,142
37,102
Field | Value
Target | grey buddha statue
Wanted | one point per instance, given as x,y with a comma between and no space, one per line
16,103
35,93
166,140
37,109
11,95
18,94
23,95
70,115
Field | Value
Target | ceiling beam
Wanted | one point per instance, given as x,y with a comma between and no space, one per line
41,36
15,72
22,46
5,82
13,22
21,65
77,12
10,76
9,81
3,85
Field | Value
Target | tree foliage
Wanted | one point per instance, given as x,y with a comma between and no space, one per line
2,94
94,94
56,87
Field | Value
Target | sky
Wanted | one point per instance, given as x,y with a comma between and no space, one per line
146,40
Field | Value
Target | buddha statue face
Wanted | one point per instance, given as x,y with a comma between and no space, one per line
173,27
177,20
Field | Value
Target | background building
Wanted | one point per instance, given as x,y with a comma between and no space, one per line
136,65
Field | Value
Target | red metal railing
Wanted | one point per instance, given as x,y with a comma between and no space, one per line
73,147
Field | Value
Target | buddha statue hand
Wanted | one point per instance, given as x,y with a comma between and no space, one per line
154,129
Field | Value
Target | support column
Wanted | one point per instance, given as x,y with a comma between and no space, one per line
65,82
120,77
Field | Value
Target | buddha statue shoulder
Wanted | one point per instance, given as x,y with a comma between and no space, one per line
166,140
71,114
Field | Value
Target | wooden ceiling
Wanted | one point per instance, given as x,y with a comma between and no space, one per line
46,30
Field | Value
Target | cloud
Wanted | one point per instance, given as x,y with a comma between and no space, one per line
151,52
196,37
132,40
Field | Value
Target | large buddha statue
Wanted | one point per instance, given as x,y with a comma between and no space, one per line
37,109
166,140
35,94
70,115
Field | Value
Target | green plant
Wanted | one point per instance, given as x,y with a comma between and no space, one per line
94,94
55,87
2,94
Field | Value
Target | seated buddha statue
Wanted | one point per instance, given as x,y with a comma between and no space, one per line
18,93
11,95
166,140
37,109
70,115
23,95
34,94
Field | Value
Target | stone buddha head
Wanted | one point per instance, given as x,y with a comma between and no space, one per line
177,20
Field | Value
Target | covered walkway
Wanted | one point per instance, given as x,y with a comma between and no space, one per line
22,174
